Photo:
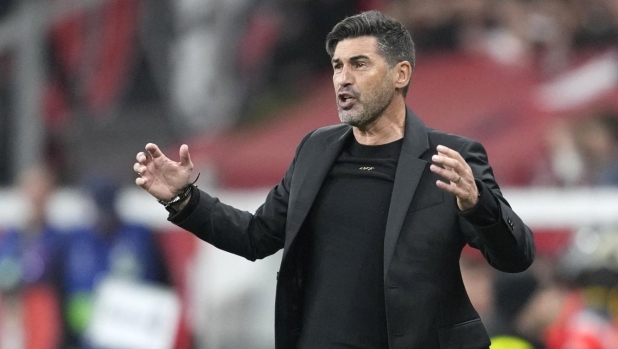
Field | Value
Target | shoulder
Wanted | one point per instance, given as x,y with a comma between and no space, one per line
322,134
326,132
453,141
330,130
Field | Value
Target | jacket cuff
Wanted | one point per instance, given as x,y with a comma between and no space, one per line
487,210
178,216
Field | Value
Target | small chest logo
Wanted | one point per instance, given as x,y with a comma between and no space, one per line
366,168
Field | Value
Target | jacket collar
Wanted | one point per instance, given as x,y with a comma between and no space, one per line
409,171
313,171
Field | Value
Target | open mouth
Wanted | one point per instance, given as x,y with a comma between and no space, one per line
345,100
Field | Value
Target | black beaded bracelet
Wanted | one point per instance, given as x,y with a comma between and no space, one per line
183,195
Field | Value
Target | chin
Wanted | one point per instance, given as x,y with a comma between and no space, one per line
358,120
352,119
351,122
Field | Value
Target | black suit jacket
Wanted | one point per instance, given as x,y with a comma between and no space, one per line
426,303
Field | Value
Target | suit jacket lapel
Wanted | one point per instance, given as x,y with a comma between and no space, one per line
311,174
409,171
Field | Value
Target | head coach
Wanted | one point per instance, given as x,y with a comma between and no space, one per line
372,214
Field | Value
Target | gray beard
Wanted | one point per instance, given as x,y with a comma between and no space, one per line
370,110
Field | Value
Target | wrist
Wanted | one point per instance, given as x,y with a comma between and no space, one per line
180,200
184,194
178,206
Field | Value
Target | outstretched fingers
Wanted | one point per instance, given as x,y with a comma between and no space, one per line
452,188
451,159
450,153
451,164
138,168
447,174
153,150
141,182
454,185
185,157
142,172
458,173
142,158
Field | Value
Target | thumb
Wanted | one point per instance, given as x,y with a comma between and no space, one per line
185,158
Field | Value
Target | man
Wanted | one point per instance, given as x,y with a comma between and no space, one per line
30,268
107,248
372,220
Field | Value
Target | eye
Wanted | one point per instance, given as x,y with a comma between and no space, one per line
337,66
360,64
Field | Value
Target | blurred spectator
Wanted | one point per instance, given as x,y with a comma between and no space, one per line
597,140
91,51
296,32
577,311
109,248
205,81
542,311
598,23
583,152
562,164
300,50
587,318
29,271
511,294
517,32
437,25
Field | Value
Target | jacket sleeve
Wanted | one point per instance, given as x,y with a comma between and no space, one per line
253,236
492,226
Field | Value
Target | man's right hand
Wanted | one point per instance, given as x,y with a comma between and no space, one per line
160,176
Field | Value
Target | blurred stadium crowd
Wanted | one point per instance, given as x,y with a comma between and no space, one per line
241,81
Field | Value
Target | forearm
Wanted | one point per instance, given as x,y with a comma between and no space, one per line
494,228
507,245
252,236
228,228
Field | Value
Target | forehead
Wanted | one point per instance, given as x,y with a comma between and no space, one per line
363,45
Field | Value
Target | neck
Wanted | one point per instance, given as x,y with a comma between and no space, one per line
388,127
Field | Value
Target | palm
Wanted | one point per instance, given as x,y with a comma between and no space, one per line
161,177
168,178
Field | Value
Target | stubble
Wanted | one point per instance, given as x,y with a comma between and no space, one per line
369,106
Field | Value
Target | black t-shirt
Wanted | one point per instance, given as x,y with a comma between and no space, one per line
344,303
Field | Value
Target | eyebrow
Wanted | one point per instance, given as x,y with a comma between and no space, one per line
353,58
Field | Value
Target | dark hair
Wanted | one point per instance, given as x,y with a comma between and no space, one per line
394,41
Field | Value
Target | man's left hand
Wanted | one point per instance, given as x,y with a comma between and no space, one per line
459,176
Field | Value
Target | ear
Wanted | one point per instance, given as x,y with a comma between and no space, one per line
402,73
